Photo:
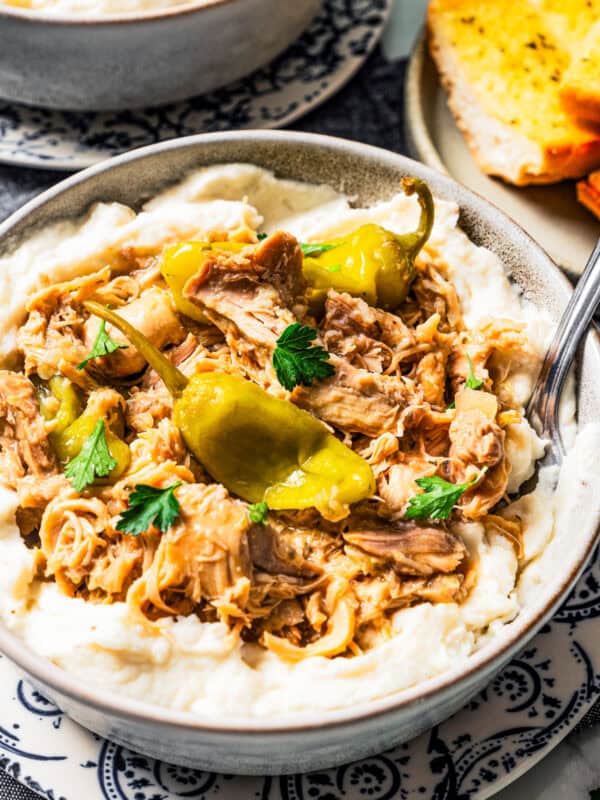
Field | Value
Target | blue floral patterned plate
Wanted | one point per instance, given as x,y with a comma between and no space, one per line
326,55
521,715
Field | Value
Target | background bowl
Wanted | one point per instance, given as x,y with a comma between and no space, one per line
245,745
144,58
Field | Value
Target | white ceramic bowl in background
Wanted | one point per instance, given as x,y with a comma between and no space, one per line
144,58
290,744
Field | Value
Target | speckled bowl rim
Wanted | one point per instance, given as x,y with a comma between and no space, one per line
33,17
507,644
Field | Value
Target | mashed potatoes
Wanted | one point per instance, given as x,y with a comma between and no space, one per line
203,667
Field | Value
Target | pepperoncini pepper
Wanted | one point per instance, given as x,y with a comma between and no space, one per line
61,405
257,446
74,426
372,262
181,261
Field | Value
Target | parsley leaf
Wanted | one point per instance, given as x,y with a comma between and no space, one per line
438,498
149,506
261,236
257,513
472,382
93,460
313,250
103,346
296,361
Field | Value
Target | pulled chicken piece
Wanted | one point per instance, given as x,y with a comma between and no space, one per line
51,340
335,640
388,593
277,548
397,461
153,315
355,400
432,293
367,337
34,495
203,556
476,441
24,446
431,377
410,548
84,553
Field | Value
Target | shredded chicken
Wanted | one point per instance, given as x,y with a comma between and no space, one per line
147,407
34,495
281,549
152,313
412,549
51,339
254,302
24,447
296,583
249,301
477,442
204,556
510,527
367,337
84,554
355,400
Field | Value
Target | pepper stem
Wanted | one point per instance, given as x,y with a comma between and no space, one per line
423,232
174,379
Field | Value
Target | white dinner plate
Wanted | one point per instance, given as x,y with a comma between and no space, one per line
550,214
315,66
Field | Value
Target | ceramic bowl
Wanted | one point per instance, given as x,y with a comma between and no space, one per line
245,745
144,58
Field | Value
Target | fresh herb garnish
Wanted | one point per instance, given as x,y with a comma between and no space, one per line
103,346
149,506
313,250
296,361
257,513
438,498
472,382
261,236
93,460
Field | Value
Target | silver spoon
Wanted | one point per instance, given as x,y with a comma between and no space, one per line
542,410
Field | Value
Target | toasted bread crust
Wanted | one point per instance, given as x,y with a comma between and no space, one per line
588,193
581,103
580,91
519,153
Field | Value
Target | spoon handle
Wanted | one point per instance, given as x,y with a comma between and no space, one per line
545,399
